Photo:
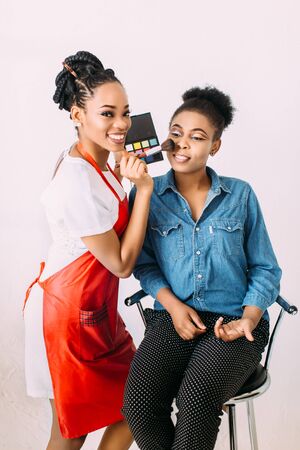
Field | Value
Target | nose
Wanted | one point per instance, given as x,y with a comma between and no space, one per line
182,143
121,123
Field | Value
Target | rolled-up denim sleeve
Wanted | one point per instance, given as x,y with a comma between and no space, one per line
263,272
147,270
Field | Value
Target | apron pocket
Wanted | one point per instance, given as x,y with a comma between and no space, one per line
95,334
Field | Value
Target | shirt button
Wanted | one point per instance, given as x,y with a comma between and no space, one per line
197,228
199,276
165,233
198,252
228,228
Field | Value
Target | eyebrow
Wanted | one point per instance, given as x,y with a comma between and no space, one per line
113,107
194,129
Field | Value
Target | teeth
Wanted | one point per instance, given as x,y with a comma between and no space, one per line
117,136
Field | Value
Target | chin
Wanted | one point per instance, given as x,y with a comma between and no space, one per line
181,169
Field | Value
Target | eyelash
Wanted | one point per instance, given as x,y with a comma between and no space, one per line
177,134
196,138
110,114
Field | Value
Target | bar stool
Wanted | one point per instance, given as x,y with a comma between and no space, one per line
256,384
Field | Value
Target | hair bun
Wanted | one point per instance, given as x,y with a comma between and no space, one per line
220,101
192,93
85,68
109,72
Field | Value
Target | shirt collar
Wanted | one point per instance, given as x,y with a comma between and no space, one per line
168,182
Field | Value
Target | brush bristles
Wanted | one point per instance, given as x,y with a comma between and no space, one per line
168,145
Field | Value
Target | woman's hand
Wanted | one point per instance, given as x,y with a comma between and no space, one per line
136,171
186,321
235,329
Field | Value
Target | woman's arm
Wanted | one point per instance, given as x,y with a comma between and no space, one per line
119,256
263,276
263,272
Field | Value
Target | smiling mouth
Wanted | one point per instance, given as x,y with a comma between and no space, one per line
117,138
180,158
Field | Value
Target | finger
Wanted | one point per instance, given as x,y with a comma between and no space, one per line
185,336
232,333
142,168
223,335
130,162
141,155
248,334
199,331
189,329
123,164
197,321
217,327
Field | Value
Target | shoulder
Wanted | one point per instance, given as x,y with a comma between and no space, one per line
160,181
74,168
236,186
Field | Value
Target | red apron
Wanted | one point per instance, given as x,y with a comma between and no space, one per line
88,348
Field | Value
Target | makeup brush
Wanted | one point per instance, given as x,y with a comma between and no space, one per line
166,146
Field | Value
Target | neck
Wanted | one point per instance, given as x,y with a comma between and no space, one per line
99,154
195,181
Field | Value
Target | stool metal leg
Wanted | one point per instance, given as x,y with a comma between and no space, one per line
232,427
252,425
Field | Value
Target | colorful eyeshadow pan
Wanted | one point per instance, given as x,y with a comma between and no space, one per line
142,137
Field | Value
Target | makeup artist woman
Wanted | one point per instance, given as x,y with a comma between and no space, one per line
78,351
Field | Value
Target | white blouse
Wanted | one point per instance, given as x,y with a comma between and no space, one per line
77,203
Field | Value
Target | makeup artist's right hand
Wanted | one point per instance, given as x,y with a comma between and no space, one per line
136,171
186,321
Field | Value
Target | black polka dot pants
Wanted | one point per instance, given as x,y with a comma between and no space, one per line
201,374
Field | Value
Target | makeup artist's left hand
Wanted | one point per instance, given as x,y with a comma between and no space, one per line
235,329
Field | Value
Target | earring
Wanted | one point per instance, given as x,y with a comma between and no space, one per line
212,153
77,124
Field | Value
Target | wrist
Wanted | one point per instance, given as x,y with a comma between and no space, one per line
252,313
144,190
253,322
173,306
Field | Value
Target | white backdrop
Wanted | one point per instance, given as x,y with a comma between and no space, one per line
158,49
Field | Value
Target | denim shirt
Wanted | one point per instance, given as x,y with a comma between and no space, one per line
220,263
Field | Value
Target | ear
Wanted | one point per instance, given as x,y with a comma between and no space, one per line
76,115
215,147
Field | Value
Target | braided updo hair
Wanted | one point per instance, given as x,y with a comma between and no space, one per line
210,102
81,74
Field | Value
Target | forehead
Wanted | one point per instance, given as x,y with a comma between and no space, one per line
189,120
110,94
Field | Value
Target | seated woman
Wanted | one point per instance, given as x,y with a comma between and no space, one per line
208,262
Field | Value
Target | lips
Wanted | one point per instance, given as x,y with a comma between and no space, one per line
117,138
180,158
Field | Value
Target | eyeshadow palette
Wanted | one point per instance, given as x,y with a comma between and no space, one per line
142,138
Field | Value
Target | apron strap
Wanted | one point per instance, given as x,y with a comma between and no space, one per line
91,160
33,283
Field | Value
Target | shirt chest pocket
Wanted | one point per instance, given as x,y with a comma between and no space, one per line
168,241
228,236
